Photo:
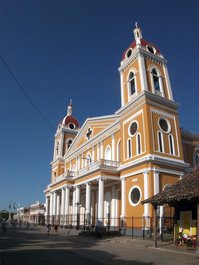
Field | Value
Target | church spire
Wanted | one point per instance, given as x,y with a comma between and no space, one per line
69,109
137,33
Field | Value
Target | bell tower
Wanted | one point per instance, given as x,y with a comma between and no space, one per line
66,132
143,68
147,104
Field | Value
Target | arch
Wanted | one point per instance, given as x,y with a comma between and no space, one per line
129,148
156,81
160,142
131,84
139,145
171,144
69,142
88,159
57,148
107,153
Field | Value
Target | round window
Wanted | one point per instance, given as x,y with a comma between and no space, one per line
164,125
129,52
133,128
151,49
71,126
135,196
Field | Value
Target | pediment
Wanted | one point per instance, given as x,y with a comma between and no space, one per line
91,129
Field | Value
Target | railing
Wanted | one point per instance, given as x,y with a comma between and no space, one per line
108,165
157,92
97,165
131,226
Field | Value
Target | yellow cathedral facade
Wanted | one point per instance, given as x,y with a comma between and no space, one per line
102,170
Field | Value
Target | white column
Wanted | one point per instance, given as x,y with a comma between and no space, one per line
62,201
93,200
123,197
143,79
93,154
167,80
101,150
146,193
55,149
61,144
156,181
74,201
58,205
54,202
47,206
113,204
67,200
98,151
122,88
74,214
77,194
51,204
100,201
161,86
88,199
113,147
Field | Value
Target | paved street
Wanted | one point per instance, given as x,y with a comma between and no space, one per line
34,247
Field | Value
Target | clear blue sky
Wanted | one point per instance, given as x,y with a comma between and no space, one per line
72,49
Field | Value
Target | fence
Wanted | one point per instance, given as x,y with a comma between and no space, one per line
132,226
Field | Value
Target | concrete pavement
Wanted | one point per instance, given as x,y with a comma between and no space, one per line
34,247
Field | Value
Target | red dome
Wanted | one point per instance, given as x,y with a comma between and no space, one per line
70,120
143,43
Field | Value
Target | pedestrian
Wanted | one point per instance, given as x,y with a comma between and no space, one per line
56,227
48,228
3,224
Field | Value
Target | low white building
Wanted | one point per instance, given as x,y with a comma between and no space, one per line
36,213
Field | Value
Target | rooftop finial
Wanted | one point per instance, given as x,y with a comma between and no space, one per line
69,109
136,24
137,33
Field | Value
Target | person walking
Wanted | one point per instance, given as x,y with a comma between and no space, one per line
3,224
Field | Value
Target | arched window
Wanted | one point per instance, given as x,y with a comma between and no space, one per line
57,148
131,84
69,143
139,147
160,142
108,153
129,149
171,144
88,159
156,80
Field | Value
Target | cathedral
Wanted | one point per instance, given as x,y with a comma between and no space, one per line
102,170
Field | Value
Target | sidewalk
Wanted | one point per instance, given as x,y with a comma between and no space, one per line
147,243
134,241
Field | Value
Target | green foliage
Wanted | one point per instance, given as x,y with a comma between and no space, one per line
4,215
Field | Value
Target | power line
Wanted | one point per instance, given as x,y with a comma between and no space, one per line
25,93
